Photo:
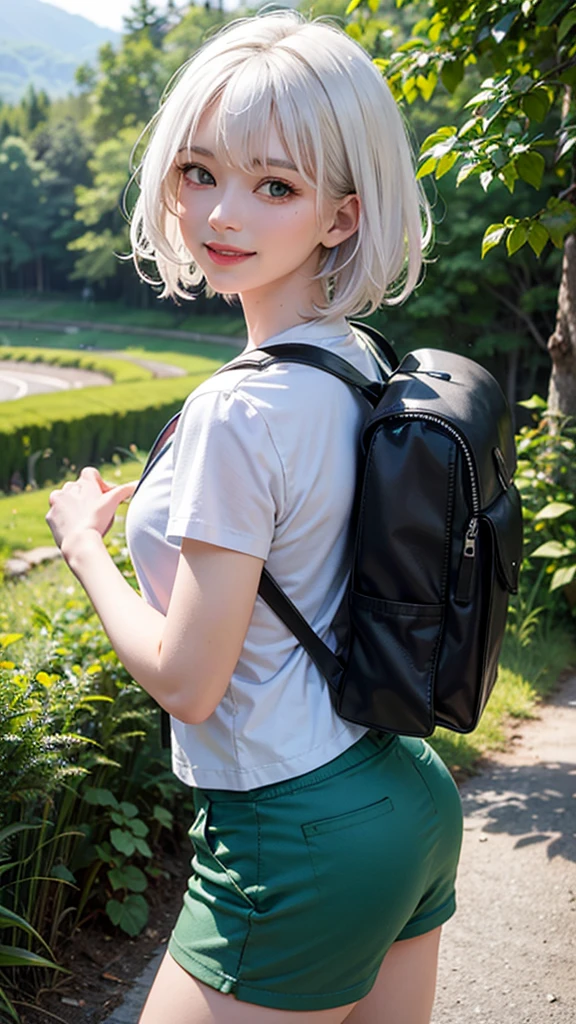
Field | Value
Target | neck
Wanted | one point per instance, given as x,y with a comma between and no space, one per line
277,307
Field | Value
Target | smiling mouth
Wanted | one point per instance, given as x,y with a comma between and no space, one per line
223,254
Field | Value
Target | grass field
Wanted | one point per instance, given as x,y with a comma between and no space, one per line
168,350
161,315
22,523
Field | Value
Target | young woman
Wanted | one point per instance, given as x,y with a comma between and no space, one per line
325,855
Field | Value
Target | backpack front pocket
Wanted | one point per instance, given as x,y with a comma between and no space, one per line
394,644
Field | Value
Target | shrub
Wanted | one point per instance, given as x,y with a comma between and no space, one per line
86,427
120,370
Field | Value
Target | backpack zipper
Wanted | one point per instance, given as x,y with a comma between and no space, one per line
468,558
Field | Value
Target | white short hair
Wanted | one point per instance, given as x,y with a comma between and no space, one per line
339,124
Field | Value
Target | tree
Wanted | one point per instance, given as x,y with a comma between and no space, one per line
517,129
63,150
99,209
144,20
26,219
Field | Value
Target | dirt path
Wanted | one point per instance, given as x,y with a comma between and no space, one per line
509,954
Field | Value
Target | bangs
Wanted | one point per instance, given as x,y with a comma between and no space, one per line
257,98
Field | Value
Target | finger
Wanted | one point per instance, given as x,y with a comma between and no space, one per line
116,496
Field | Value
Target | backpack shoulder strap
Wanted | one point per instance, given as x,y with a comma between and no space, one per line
384,346
309,355
319,653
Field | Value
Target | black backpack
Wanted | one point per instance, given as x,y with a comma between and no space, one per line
438,544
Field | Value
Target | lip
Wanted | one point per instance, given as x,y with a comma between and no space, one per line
226,255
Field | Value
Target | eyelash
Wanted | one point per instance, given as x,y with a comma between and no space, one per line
290,189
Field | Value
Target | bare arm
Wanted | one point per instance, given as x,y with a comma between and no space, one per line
185,658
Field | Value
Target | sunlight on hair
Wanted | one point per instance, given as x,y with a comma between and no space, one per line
337,121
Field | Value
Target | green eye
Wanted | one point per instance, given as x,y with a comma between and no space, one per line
277,189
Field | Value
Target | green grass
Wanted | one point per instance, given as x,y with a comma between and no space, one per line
162,315
527,675
187,354
22,522
119,370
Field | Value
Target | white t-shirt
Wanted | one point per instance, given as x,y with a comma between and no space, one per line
262,462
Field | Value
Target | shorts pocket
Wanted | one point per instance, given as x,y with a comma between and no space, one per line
348,819
206,862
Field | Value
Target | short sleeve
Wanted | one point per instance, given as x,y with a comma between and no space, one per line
228,481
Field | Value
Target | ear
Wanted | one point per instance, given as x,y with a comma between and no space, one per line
345,220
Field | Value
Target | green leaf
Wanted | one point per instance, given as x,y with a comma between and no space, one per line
138,827
440,135
568,21
445,164
530,167
142,847
14,956
7,1008
352,6
100,797
452,74
128,877
537,236
517,238
501,29
509,175
536,104
63,873
465,171
123,841
12,830
9,919
427,167
534,402
492,236
427,84
562,577
551,549
163,815
549,11
554,510
131,915
128,810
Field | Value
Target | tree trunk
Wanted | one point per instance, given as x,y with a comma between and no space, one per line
562,343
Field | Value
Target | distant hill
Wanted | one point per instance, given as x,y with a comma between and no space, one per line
43,44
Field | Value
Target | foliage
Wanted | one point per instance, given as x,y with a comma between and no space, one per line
26,219
86,427
91,795
521,114
546,478
99,209
120,370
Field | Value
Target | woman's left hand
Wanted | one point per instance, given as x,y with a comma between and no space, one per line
85,505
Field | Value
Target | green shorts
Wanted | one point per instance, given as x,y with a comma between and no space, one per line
299,889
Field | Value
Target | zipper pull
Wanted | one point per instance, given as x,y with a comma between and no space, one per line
467,564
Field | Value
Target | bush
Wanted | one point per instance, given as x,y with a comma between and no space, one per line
120,370
86,427
89,797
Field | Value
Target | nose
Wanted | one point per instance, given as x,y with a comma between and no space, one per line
225,213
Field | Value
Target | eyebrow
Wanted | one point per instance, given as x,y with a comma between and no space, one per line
287,164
